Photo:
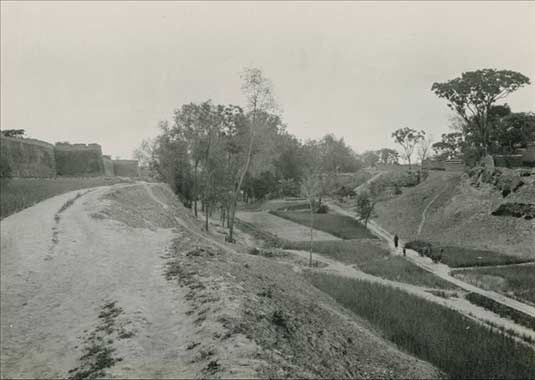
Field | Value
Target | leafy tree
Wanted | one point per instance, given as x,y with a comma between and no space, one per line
365,207
450,146
388,156
370,158
473,94
408,139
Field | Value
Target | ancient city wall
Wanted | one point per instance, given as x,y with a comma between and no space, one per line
125,168
79,159
28,157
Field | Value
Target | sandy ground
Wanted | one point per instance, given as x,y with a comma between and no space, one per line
56,277
283,228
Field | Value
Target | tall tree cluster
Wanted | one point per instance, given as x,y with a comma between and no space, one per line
215,155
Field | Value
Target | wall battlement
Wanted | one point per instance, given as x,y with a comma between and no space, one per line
36,158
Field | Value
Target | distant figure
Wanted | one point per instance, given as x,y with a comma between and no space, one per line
404,251
396,240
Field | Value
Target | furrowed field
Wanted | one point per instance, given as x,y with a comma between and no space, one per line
459,346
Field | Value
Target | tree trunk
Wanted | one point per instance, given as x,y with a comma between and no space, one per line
239,184
206,217
195,189
311,234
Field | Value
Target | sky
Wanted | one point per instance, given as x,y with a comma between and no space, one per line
107,72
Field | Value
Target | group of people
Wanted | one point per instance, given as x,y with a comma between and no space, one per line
426,252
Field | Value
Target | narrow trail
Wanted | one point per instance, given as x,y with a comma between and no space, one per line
362,186
440,270
424,213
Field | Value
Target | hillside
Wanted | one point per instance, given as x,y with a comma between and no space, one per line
120,281
447,209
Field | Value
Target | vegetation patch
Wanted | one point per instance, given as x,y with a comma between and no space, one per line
373,259
20,193
457,345
502,310
458,257
517,281
340,226
98,351
518,210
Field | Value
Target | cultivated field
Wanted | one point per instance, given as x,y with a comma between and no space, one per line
338,225
459,346
458,257
370,257
19,193
283,228
517,281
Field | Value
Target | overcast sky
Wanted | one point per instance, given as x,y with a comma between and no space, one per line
108,72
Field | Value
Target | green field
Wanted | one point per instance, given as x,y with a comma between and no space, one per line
19,193
458,257
457,345
502,310
517,280
374,260
340,226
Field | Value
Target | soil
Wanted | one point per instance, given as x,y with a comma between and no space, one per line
132,288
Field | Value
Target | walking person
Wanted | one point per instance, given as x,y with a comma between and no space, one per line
396,240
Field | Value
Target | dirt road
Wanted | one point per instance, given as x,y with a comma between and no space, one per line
80,291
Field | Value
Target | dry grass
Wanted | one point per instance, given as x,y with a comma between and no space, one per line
460,216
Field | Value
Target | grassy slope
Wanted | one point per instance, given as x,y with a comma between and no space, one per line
20,193
460,216
301,332
459,346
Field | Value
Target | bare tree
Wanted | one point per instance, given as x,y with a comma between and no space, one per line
258,91
311,190
424,149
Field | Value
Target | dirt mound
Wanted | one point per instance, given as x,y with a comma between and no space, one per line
459,214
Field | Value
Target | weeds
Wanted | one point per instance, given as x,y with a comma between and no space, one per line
21,193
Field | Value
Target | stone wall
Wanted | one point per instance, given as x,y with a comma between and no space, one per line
125,168
28,157
447,165
79,159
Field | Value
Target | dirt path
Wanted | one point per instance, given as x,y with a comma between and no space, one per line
53,291
424,213
440,270
361,187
